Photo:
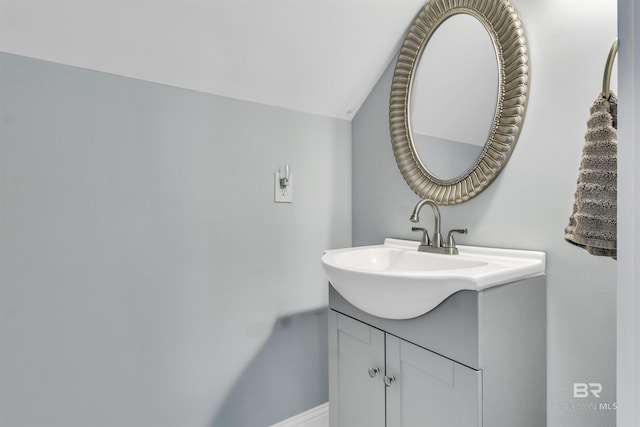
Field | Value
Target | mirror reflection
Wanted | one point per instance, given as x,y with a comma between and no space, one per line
454,94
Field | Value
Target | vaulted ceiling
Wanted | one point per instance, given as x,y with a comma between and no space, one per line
317,56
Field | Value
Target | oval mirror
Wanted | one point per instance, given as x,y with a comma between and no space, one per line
458,97
449,140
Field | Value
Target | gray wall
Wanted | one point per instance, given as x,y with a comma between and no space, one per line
147,277
530,202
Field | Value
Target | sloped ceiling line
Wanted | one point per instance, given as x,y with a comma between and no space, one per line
316,56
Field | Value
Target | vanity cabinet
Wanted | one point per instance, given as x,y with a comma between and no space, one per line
382,380
430,390
357,392
476,360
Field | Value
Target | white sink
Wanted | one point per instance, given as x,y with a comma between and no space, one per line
395,281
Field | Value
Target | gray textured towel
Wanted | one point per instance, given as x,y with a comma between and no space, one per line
593,223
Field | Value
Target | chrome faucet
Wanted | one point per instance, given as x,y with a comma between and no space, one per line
437,235
435,244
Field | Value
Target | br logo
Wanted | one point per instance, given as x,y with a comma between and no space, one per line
583,390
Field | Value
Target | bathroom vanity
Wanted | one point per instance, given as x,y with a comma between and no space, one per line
431,334
476,359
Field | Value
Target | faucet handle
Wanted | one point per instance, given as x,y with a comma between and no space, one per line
425,235
450,242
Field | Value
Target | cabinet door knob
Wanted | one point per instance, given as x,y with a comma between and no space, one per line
373,372
388,380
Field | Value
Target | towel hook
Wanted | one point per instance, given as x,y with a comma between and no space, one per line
606,81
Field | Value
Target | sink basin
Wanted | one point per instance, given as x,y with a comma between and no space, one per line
395,281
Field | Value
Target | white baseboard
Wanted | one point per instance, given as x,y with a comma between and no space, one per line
314,417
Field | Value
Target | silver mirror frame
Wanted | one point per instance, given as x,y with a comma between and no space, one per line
505,29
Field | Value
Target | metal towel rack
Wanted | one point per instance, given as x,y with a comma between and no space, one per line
606,80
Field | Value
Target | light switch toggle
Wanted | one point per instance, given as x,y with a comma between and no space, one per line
283,185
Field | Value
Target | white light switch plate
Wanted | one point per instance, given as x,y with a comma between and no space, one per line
283,195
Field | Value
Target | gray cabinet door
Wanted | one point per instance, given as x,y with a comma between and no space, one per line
430,390
357,399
